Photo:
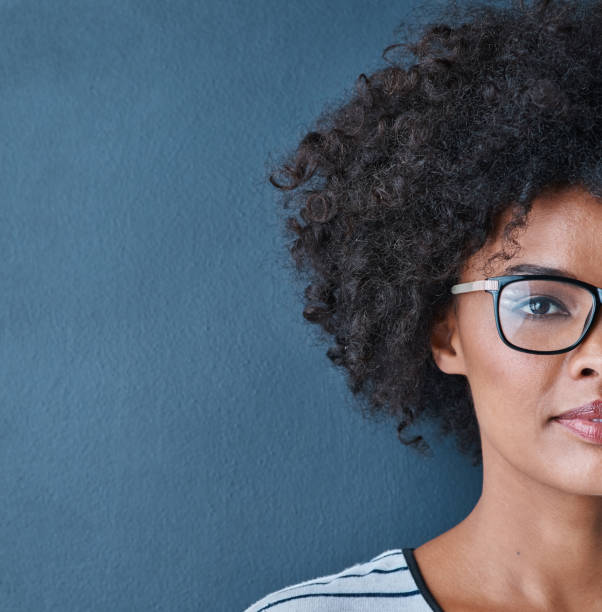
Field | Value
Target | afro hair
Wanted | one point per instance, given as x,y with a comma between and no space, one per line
398,184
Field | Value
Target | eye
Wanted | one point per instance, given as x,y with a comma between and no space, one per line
538,306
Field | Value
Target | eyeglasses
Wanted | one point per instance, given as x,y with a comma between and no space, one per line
540,313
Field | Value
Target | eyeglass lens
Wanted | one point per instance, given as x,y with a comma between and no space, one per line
544,315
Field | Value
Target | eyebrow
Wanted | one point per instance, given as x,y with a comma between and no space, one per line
536,269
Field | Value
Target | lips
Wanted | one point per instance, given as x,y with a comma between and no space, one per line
585,421
587,412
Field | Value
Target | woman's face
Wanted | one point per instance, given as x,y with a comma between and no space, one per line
516,394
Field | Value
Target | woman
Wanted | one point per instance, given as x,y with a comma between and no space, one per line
452,228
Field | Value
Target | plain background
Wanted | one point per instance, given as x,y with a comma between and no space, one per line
172,434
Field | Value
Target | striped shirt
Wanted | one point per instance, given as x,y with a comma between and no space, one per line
390,582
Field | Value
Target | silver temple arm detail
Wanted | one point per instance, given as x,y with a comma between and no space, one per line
479,285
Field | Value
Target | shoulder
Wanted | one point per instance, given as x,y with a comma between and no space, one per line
383,583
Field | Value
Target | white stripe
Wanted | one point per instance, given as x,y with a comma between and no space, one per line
361,579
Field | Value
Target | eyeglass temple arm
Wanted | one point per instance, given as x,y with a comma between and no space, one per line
480,285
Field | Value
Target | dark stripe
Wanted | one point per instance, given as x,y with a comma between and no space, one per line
419,580
374,595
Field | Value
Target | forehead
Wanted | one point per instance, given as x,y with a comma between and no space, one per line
563,230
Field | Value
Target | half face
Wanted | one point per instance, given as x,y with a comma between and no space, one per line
517,394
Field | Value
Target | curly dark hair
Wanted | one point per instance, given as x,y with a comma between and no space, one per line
404,179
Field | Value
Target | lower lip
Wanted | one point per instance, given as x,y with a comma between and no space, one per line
588,430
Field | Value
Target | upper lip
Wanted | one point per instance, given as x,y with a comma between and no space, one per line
593,410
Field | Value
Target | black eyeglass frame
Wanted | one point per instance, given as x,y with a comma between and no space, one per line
495,284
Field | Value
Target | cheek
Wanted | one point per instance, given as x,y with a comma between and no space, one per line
507,385
514,394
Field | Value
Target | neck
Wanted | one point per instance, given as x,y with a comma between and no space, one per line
540,544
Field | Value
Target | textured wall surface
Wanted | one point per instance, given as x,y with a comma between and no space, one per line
173,436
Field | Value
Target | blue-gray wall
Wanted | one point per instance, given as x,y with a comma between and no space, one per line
172,434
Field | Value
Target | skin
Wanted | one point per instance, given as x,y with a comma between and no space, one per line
533,541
